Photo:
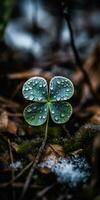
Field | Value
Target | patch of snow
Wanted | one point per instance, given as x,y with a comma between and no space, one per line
72,170
16,165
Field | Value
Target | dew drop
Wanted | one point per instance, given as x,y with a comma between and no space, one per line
40,117
33,83
62,81
36,82
31,98
58,82
29,110
51,87
58,98
26,96
67,90
44,117
40,86
52,111
39,98
44,85
34,107
43,92
30,88
62,115
56,118
68,84
26,89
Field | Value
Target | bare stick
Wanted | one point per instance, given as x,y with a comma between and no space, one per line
27,182
13,174
77,57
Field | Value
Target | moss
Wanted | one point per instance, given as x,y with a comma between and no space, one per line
82,138
54,131
97,198
27,146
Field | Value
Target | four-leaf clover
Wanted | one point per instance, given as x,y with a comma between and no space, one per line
46,99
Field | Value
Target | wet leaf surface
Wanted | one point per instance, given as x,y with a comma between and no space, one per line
36,114
60,112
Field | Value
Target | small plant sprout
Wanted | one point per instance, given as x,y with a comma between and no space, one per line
43,100
46,99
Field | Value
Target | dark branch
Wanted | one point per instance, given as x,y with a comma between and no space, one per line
76,54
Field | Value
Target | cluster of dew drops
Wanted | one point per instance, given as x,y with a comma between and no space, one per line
55,90
35,109
40,93
30,87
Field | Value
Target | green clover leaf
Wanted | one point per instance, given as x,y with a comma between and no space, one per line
44,101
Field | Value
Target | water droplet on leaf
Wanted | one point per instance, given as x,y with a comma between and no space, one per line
52,111
31,98
40,117
40,86
44,117
26,89
39,98
29,110
62,115
67,90
58,82
56,118
58,98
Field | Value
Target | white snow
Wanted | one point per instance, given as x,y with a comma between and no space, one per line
71,170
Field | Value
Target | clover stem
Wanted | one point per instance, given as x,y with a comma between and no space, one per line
27,182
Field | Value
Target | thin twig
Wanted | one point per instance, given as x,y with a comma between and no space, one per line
17,176
66,131
14,114
13,174
9,103
20,185
76,54
27,182
45,190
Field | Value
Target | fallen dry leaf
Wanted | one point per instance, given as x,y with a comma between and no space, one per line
12,127
3,120
92,66
52,152
95,112
29,74
7,124
15,146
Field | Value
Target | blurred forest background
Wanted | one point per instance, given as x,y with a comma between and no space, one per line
47,38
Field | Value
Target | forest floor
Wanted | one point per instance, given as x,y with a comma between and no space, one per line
69,167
